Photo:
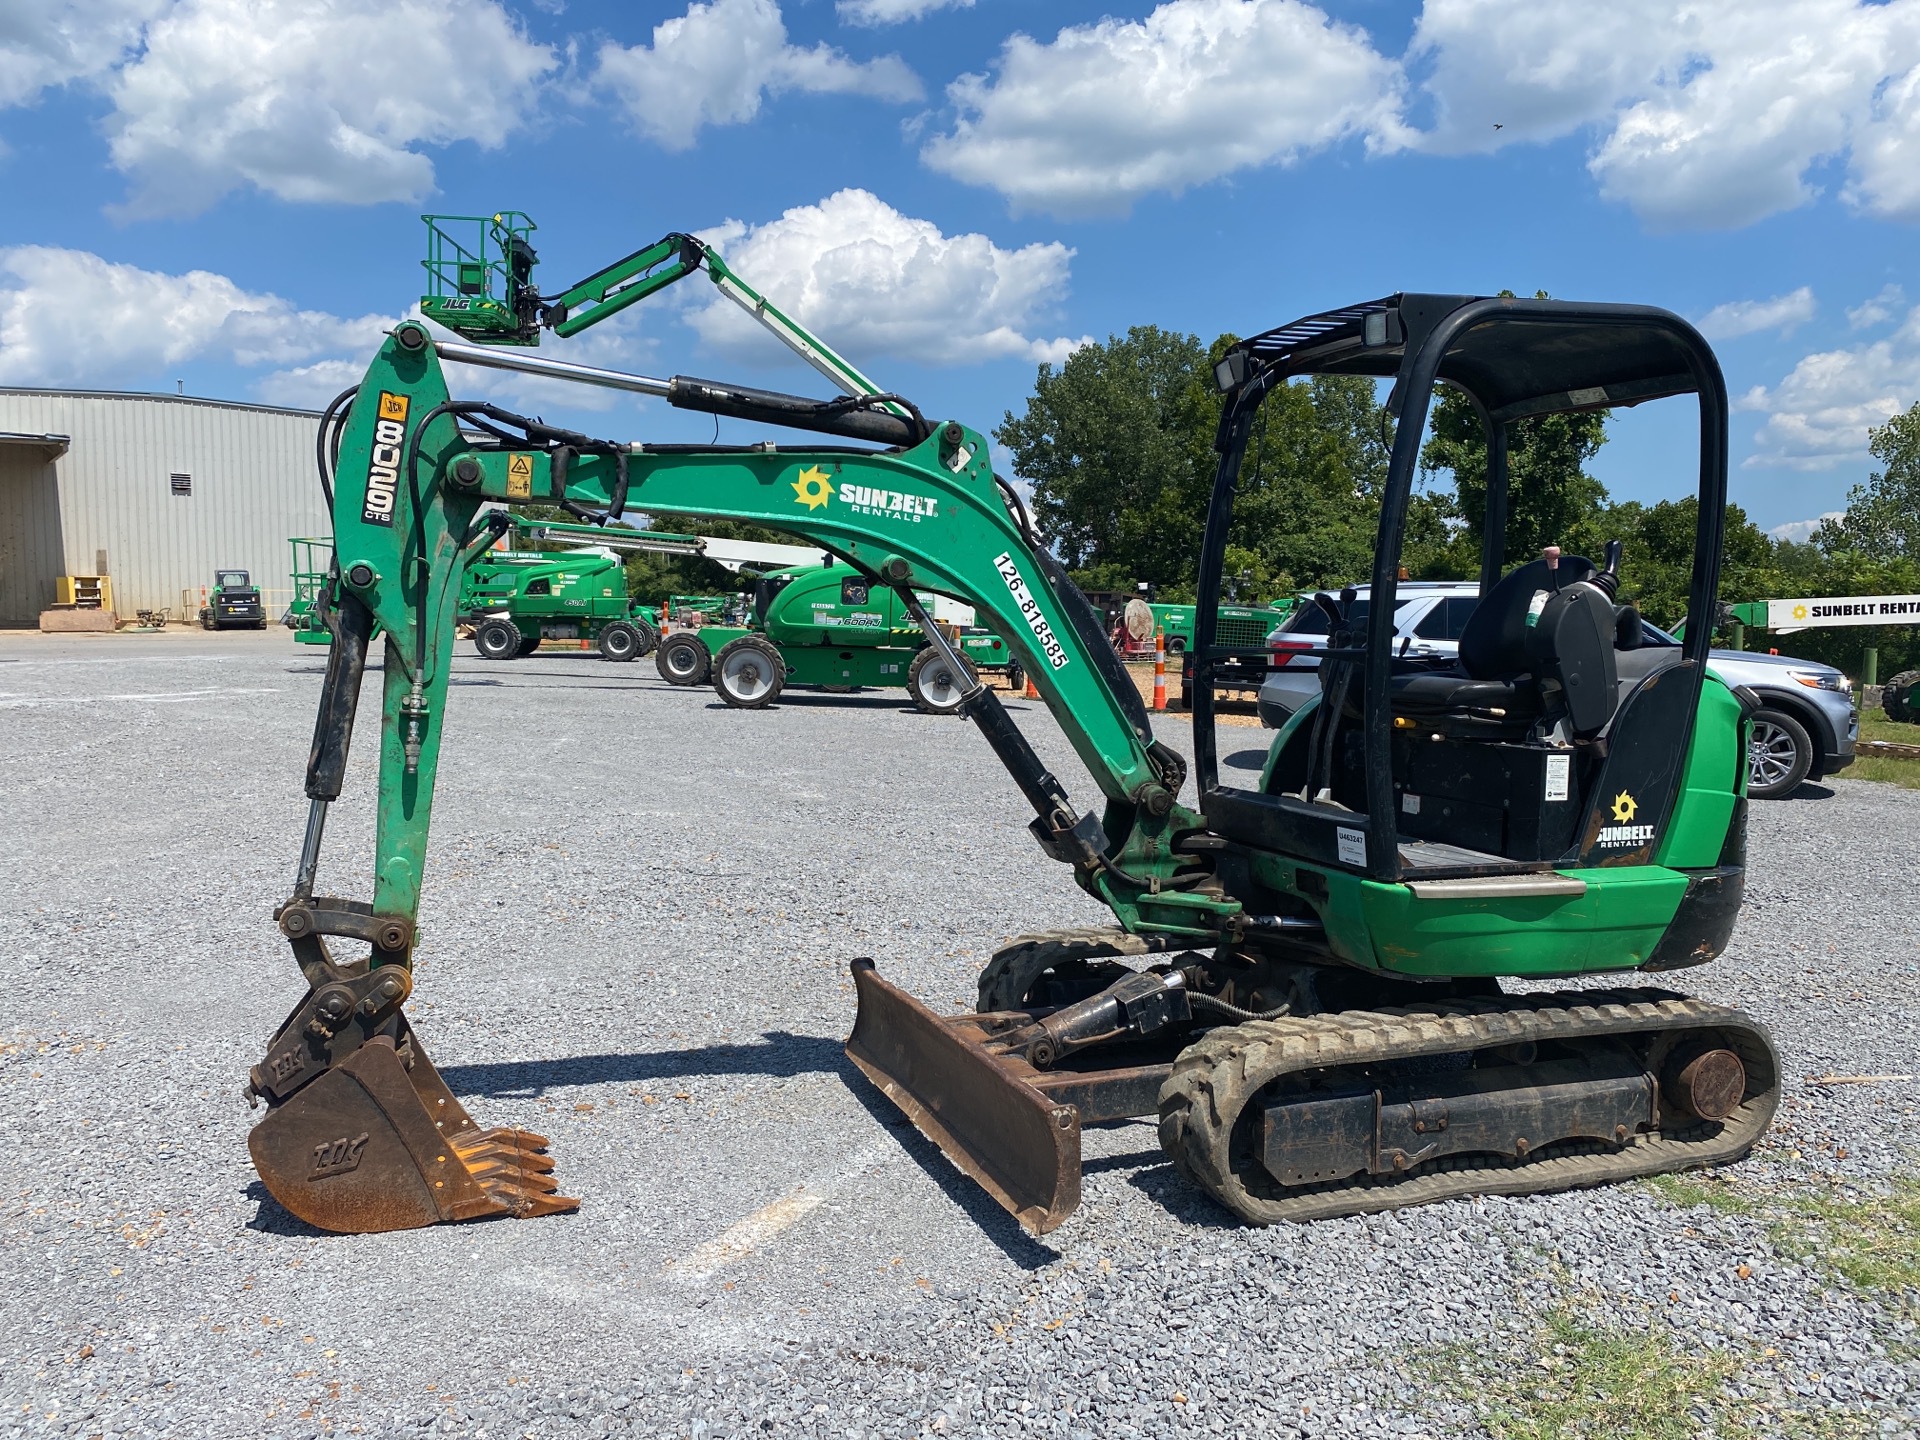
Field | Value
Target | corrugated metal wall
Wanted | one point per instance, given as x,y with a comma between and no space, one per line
31,552
253,486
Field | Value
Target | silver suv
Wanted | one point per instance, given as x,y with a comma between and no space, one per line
1806,728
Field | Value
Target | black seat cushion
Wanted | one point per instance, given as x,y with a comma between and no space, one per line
1439,691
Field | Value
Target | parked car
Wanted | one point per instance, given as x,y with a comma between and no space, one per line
1806,728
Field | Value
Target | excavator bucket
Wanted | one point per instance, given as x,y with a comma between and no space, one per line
377,1142
1022,1146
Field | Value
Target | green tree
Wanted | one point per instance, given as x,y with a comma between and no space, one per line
1657,567
1551,499
1105,441
1308,506
1882,519
1119,446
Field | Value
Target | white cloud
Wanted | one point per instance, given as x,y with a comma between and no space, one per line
714,65
1784,313
1877,311
1819,414
318,100
46,43
893,12
1801,531
1107,113
1707,112
876,284
68,317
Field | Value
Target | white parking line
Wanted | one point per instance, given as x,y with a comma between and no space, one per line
157,697
744,1237
741,1239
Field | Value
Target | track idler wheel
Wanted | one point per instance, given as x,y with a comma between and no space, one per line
377,1142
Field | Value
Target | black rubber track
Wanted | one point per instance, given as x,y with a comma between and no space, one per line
1219,1075
1020,962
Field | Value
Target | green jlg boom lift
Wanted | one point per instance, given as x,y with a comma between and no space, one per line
1302,980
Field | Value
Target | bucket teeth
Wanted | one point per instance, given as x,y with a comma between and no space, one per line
514,1170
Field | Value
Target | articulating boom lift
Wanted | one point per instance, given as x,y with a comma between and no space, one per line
1317,1023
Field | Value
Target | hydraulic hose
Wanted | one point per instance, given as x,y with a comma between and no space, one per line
326,440
1200,1001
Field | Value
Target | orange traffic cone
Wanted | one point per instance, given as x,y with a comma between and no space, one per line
1159,669
1032,694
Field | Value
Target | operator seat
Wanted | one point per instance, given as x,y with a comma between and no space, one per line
1540,646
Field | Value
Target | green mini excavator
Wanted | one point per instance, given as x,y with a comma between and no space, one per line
1302,981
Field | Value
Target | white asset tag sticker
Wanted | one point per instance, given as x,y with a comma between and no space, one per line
1352,845
1410,802
1559,772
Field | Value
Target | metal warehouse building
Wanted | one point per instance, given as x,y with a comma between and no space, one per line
153,490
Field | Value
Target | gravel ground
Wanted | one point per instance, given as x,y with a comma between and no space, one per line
639,914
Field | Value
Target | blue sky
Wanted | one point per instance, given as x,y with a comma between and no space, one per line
226,192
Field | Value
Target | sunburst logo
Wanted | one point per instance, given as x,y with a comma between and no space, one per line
1624,808
1799,612
813,489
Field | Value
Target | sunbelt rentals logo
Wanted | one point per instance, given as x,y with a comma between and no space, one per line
814,489
383,470
1623,832
1029,608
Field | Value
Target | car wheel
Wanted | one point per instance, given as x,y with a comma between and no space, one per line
934,686
682,659
1779,755
749,672
619,641
497,639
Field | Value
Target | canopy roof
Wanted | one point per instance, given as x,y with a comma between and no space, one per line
1543,357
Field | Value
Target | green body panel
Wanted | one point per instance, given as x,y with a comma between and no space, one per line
818,665
1240,627
930,516
1714,780
1615,925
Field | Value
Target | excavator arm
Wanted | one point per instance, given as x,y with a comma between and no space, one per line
361,1134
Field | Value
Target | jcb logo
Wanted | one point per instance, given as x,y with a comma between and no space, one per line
337,1157
383,467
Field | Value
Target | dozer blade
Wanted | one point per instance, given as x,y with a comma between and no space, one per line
373,1144
1022,1147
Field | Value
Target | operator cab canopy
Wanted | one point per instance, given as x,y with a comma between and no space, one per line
1513,359
1573,357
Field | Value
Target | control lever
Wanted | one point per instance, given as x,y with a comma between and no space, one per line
1551,554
